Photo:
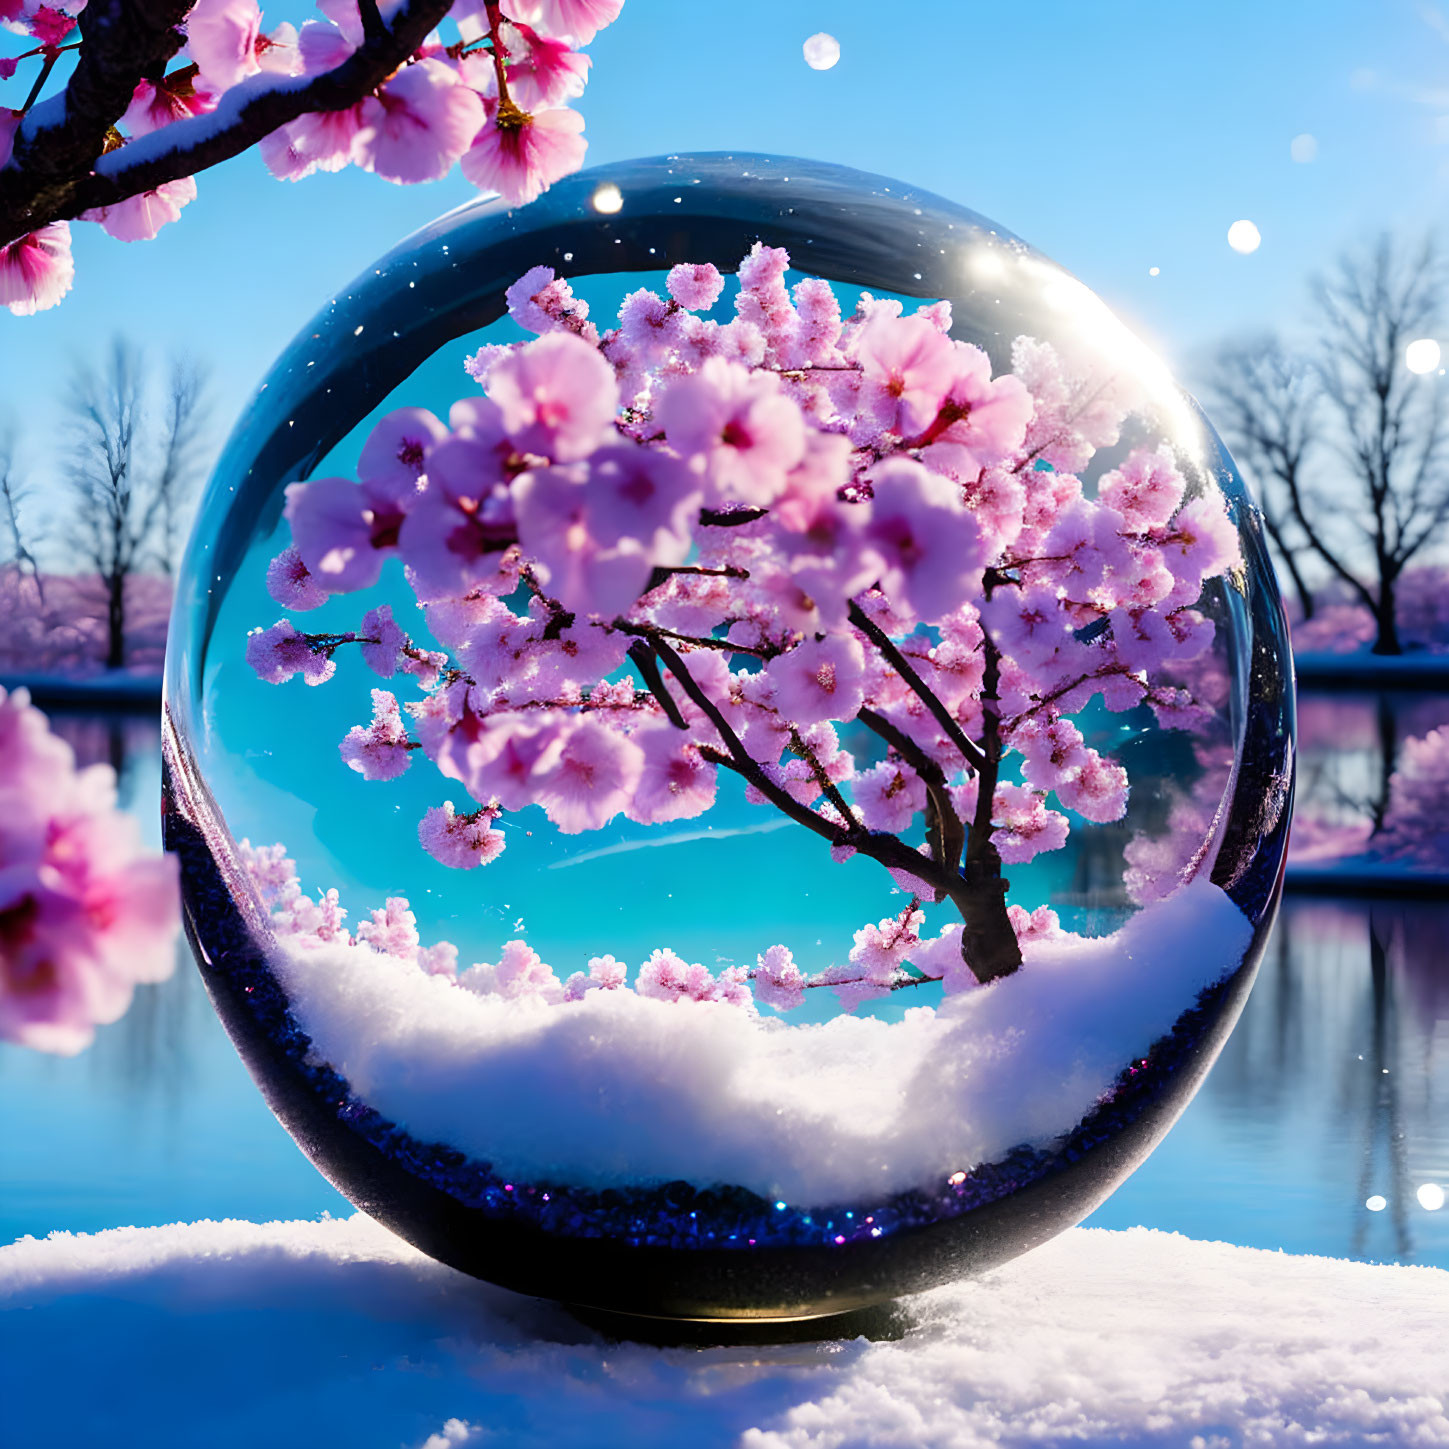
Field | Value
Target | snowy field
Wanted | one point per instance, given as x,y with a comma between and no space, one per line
336,1333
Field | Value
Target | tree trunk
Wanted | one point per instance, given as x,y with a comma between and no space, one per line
1388,760
1385,616
988,941
115,621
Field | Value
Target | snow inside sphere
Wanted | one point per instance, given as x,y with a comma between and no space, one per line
730,753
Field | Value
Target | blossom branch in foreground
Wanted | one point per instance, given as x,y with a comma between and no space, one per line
381,91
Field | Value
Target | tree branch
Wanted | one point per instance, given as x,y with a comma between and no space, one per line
58,169
902,666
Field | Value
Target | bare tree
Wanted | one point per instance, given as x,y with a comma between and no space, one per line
131,474
13,494
1392,424
1266,402
1377,492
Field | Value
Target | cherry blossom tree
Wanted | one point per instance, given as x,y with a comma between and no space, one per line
679,547
161,90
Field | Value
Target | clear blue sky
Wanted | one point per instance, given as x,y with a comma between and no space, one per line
1116,135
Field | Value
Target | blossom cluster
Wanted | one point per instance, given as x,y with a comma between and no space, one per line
85,912
887,956
495,100
784,521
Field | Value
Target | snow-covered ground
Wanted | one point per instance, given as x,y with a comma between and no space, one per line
336,1333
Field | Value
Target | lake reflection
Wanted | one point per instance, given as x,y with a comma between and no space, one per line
1333,1092
1369,790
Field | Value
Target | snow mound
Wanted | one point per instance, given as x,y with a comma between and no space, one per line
336,1333
619,1088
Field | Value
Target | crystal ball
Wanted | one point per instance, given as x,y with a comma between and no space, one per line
729,738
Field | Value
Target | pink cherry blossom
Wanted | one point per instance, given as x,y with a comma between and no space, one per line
85,913
888,796
280,652
578,569
880,950
50,25
774,554
1097,790
542,71
676,783
460,841
779,982
908,368
669,977
139,218
36,271
819,679
382,640
289,583
520,972
939,959
556,397
318,141
1203,543
392,930
380,751
343,531
222,38
579,19
155,106
695,286
590,778
520,154
982,420
395,455
503,760
1145,490
741,430
418,124
929,546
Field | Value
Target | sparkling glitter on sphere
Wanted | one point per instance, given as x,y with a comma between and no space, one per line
729,739
821,51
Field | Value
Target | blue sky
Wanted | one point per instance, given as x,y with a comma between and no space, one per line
1117,136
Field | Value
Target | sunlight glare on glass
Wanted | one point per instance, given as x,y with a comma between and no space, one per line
1244,237
1431,1197
1376,1204
1422,355
1304,148
608,199
821,51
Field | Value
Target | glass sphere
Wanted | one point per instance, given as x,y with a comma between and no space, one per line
763,791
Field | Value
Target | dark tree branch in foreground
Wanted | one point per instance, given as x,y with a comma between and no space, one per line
61,164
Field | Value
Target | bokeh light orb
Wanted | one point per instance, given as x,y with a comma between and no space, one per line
822,51
1422,355
730,752
1244,237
